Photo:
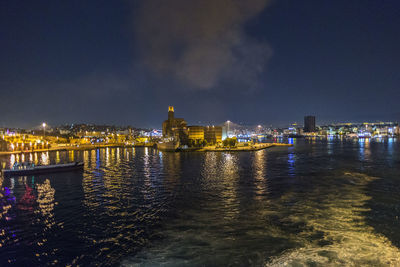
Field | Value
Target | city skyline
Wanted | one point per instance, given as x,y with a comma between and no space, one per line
38,125
287,59
199,133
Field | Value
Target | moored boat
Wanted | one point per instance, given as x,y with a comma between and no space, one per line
20,169
170,146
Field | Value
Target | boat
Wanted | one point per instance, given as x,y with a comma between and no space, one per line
20,169
170,146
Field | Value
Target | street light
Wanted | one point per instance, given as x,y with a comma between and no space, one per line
44,129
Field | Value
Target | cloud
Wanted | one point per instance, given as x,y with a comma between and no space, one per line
201,43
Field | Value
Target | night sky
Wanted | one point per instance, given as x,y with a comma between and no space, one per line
256,62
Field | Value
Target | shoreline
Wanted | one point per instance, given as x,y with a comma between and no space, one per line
255,147
68,148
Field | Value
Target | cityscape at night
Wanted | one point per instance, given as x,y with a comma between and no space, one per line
199,133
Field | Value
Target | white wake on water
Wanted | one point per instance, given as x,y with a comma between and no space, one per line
347,239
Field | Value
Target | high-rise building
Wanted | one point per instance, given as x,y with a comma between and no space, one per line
309,124
174,127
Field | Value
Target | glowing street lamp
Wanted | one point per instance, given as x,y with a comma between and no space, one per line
259,128
44,129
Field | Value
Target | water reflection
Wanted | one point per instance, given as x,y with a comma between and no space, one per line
12,160
7,200
364,148
230,176
27,201
45,160
259,167
58,157
143,206
291,163
336,231
45,199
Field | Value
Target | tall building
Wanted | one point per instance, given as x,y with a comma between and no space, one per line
174,127
213,134
309,124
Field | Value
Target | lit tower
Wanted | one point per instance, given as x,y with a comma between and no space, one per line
170,113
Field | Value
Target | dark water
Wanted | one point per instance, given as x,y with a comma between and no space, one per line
319,203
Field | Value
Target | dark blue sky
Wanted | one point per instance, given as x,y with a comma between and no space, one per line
121,62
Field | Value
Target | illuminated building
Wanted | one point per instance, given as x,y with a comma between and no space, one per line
213,134
309,124
196,132
3,145
174,127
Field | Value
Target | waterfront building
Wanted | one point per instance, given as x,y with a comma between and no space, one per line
3,145
309,124
213,134
174,127
196,132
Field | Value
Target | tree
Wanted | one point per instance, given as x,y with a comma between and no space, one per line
230,142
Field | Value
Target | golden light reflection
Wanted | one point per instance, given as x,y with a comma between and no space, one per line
46,202
6,205
230,176
107,157
71,156
45,159
12,160
93,157
147,173
259,174
58,157
112,155
118,155
364,148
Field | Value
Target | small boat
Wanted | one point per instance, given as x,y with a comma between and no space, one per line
170,146
20,169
